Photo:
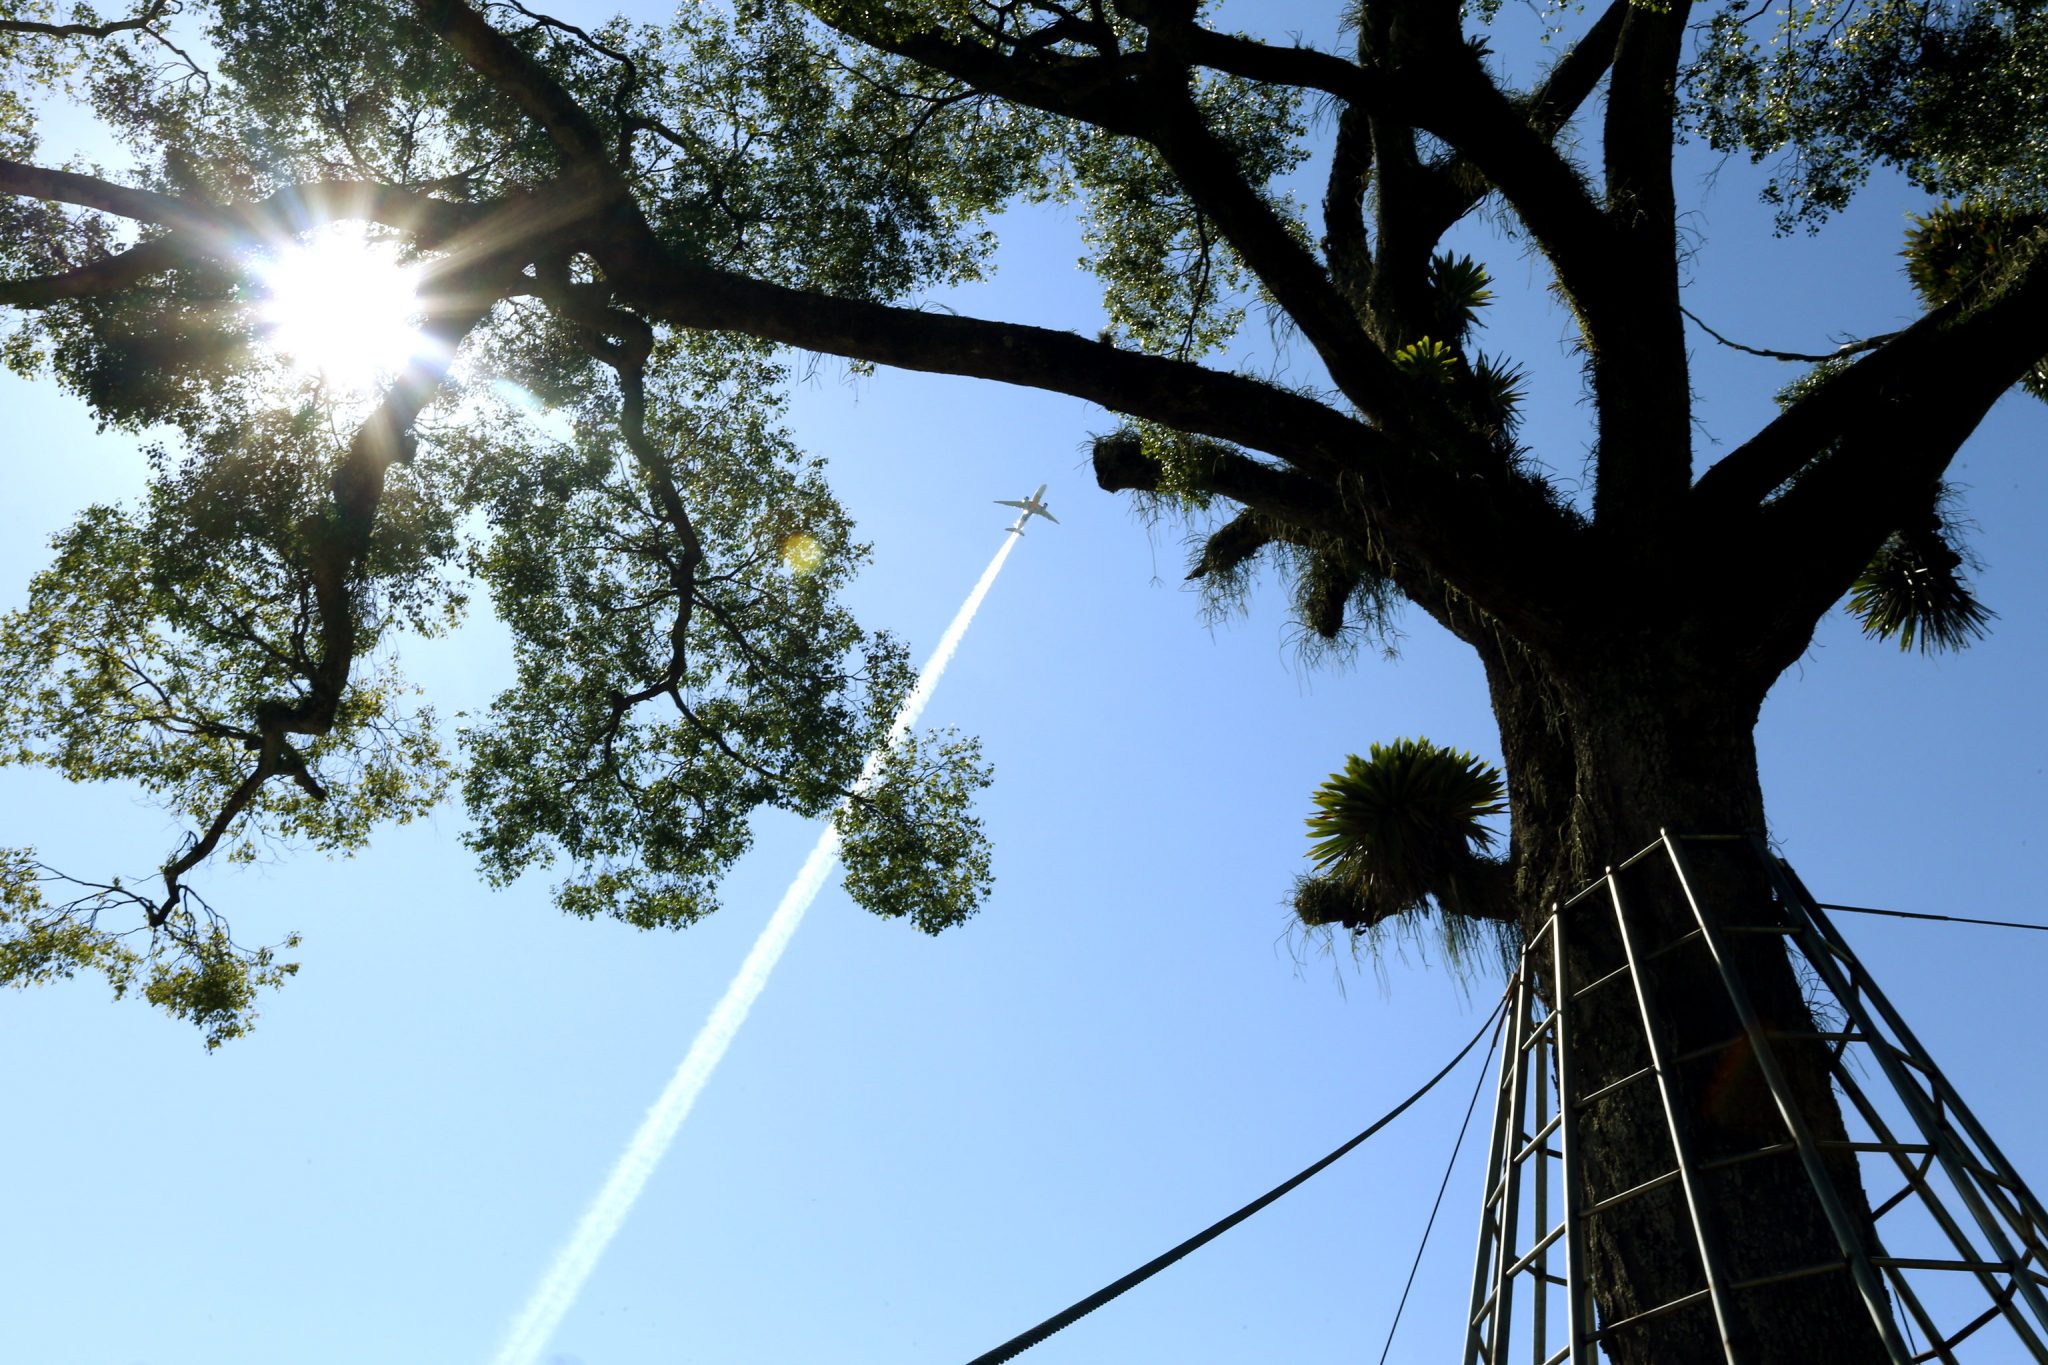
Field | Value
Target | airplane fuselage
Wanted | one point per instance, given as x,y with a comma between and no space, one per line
1034,506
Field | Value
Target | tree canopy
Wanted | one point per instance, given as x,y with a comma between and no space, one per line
628,223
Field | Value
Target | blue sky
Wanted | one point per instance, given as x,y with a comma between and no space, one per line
919,1147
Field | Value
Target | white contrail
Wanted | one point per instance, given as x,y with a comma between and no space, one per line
559,1288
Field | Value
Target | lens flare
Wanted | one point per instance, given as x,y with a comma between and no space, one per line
339,306
802,553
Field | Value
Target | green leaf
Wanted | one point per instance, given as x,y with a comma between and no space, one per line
1913,591
1398,828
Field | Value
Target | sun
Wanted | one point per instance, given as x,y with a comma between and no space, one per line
338,305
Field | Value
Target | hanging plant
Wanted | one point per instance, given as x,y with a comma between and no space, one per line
1401,837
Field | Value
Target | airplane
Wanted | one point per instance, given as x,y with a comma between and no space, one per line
1032,506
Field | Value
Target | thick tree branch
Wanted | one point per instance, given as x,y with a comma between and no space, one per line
1995,332
91,192
1121,466
526,82
1442,89
1557,99
1297,281
1381,288
1191,397
1554,102
683,294
1457,101
1811,496
1095,90
1641,101
1344,239
1496,537
105,276
151,13
221,229
1640,386
1147,98
1304,68
1510,558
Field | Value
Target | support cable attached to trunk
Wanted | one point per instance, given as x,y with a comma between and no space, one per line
1945,919
1024,1341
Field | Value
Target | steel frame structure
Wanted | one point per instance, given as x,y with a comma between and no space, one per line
1954,1189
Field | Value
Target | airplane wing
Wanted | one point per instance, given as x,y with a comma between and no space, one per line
1048,516
1006,502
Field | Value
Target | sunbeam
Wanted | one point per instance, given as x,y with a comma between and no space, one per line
340,306
559,1288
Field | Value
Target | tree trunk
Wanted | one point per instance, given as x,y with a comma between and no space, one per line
1637,736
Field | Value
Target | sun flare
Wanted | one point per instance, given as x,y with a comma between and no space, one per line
340,306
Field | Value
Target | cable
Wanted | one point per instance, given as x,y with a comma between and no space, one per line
1485,1069
1024,1341
1946,919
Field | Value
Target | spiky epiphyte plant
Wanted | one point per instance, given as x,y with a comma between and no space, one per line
1914,591
1400,837
1951,247
1461,287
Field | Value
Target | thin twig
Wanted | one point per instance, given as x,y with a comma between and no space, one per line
1847,348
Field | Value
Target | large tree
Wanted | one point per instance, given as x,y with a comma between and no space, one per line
631,223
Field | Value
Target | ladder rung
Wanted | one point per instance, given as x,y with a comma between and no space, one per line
1548,1240
1687,937
1710,1049
1653,1183
1969,1162
1783,1276
1891,1148
1722,1162
1771,1035
1660,1310
1922,1263
1600,981
1588,1101
1536,1140
1536,1031
1880,1210
1948,1344
1811,1036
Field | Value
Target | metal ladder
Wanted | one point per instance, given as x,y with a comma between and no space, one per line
1958,1198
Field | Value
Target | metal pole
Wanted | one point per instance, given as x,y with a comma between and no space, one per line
1825,929
1681,1145
1939,1134
1511,1183
1491,1253
1539,1095
1867,1280
1578,1286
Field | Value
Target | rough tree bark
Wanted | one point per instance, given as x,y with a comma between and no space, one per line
1637,739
